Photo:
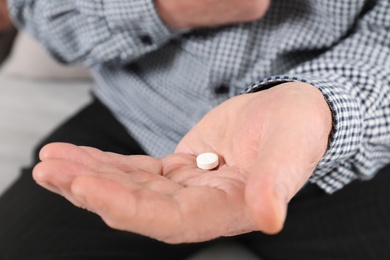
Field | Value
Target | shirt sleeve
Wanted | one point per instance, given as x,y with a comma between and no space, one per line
93,31
354,77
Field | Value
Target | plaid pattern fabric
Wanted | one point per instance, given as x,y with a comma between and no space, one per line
159,82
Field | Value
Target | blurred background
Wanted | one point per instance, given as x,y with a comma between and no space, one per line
36,94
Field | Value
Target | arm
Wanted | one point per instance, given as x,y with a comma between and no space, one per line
354,78
269,143
94,32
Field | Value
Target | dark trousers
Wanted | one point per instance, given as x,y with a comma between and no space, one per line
353,223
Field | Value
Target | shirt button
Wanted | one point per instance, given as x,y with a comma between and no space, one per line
220,90
146,39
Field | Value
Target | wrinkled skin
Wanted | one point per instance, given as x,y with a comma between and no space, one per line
268,143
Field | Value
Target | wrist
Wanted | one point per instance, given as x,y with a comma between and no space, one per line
315,99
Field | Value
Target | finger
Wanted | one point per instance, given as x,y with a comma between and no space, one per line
68,152
62,160
129,206
58,175
289,151
98,160
267,198
126,163
191,214
275,177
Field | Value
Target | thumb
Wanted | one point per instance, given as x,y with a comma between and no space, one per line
294,137
267,196
274,178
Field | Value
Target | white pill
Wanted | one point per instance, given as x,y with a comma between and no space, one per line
207,161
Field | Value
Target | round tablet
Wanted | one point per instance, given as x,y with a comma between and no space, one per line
207,161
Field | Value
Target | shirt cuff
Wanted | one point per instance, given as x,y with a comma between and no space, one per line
133,26
347,133
141,15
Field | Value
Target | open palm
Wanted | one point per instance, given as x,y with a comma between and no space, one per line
268,143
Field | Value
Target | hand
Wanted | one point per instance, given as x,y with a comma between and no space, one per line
268,143
5,20
189,14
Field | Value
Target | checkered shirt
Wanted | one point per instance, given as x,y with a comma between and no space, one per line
160,82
